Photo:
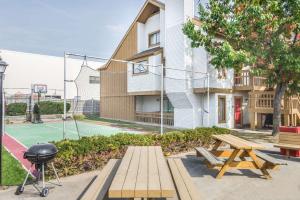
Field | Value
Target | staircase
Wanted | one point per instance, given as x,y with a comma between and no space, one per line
293,114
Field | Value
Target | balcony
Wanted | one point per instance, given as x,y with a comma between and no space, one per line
244,81
155,118
263,102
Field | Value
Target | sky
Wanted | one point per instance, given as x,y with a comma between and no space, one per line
51,27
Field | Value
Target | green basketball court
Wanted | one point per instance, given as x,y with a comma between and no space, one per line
29,134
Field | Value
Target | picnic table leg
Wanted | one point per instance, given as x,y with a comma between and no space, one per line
217,145
242,155
259,164
226,166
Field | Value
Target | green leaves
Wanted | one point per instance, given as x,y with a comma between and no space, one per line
88,153
14,109
258,33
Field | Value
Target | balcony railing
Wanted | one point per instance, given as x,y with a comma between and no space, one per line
263,102
155,118
245,81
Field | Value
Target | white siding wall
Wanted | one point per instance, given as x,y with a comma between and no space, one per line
87,90
179,84
153,24
201,64
162,28
174,47
145,82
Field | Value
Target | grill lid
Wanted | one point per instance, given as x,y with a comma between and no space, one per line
42,149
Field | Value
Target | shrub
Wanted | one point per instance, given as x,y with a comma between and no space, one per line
78,117
90,153
49,107
15,109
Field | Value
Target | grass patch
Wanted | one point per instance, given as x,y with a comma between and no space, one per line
13,173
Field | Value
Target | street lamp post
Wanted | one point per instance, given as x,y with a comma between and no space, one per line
3,66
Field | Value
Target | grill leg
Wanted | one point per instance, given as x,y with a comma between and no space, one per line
43,175
38,178
27,176
56,175
20,188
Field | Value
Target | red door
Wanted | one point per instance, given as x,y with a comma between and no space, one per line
238,112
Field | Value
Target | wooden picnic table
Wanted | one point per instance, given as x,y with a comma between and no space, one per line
236,156
143,173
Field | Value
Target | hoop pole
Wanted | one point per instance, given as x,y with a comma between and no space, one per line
65,96
162,100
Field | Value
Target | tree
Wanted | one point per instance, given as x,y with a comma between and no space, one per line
261,34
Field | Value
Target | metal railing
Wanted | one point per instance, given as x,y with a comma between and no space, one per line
155,118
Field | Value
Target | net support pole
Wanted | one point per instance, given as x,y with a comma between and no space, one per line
65,96
208,103
162,100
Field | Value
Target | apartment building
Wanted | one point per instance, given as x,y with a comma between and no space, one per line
195,94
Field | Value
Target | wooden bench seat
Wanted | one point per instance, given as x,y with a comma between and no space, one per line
212,159
269,159
185,186
289,142
99,188
287,146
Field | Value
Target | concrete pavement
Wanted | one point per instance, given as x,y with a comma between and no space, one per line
235,185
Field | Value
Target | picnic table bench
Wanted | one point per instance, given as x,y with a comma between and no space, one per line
242,154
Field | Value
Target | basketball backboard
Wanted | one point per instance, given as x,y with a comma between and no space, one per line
39,88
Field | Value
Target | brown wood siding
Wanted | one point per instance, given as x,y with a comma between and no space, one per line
115,101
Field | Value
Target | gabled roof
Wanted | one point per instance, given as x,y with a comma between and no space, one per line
148,9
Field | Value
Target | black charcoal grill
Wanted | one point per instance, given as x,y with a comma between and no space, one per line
40,155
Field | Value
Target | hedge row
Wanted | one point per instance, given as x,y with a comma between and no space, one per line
49,107
90,153
15,109
46,108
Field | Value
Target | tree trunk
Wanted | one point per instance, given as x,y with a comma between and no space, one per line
279,94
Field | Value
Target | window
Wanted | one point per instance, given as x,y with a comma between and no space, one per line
168,107
222,109
154,39
140,67
94,80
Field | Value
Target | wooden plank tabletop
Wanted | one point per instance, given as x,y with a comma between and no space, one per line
237,142
143,173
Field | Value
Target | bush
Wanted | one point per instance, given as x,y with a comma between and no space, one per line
15,109
78,117
90,153
49,107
